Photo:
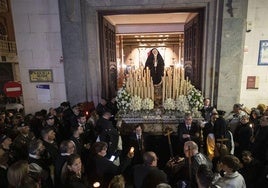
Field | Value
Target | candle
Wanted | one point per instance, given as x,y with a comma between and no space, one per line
170,84
166,87
174,81
251,126
147,76
152,90
163,89
182,73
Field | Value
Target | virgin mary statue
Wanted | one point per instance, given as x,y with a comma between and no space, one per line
156,65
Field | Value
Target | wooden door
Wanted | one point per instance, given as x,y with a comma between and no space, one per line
193,35
108,58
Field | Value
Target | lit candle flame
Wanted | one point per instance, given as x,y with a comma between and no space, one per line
96,184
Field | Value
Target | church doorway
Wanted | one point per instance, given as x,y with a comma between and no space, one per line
126,40
99,55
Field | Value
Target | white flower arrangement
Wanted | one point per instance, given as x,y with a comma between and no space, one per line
123,99
195,98
147,104
135,103
182,104
169,104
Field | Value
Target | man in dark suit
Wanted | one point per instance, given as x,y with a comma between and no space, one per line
37,159
138,140
67,147
147,174
48,137
207,109
108,133
188,131
187,167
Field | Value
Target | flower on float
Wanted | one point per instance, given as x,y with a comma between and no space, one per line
182,104
135,103
195,98
147,104
169,104
123,99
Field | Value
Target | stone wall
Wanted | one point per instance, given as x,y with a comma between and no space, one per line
256,30
38,39
231,56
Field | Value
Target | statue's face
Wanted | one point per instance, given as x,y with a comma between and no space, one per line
155,52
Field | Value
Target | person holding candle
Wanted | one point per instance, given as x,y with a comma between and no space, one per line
101,169
254,119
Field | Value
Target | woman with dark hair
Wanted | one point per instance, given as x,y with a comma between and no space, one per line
232,178
72,175
156,65
254,119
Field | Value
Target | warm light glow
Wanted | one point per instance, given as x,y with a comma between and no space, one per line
177,65
96,184
142,44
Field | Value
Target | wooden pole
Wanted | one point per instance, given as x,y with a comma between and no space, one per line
168,133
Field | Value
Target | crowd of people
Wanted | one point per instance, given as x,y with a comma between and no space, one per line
68,147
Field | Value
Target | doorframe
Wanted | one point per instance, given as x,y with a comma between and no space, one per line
211,39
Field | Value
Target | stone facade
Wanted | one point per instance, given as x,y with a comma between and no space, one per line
39,46
47,30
